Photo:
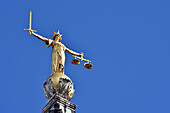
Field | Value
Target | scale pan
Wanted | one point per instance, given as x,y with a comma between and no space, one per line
75,61
88,65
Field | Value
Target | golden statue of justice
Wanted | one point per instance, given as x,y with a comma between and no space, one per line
58,55
58,60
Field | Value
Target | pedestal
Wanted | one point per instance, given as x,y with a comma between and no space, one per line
58,104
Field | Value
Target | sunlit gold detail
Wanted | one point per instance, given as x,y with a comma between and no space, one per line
88,65
75,61
30,30
53,83
57,34
81,58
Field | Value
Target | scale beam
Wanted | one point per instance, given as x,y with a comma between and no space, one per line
81,58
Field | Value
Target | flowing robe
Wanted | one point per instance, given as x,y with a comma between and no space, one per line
58,56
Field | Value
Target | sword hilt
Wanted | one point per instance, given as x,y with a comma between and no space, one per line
30,30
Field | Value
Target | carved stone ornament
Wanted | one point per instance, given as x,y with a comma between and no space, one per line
60,84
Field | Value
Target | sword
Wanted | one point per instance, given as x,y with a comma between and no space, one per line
30,25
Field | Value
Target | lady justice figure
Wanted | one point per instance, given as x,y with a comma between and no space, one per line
58,52
58,83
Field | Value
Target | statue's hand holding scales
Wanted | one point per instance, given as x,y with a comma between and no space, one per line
58,61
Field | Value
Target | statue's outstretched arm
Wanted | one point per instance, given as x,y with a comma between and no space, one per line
40,37
72,52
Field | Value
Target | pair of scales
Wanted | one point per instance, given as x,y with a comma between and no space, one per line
74,61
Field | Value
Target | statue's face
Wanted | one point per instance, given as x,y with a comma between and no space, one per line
57,38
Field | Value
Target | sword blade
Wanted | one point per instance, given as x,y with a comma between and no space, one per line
30,20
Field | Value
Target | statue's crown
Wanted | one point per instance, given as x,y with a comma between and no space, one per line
57,34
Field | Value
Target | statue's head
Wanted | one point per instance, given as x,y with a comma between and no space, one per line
57,36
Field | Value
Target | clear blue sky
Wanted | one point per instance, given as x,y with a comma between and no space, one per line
128,42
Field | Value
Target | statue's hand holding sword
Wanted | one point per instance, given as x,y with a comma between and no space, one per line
30,30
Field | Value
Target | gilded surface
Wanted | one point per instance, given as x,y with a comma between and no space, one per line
58,81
